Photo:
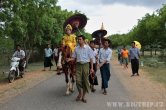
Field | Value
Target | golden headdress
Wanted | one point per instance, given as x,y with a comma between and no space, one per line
68,27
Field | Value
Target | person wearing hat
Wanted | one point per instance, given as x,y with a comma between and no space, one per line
69,39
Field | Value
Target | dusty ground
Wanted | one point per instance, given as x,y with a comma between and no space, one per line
31,78
141,88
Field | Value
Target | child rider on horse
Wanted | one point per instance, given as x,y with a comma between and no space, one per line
69,39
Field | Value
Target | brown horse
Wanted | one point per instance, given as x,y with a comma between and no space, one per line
68,68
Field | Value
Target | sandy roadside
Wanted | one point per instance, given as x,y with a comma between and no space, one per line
32,78
141,88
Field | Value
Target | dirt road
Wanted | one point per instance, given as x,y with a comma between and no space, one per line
48,89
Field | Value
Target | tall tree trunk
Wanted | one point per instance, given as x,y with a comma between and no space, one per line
155,52
28,53
151,52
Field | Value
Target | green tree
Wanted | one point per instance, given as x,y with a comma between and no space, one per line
33,23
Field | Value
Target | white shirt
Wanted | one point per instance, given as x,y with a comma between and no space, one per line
105,55
95,53
48,52
55,51
83,54
19,54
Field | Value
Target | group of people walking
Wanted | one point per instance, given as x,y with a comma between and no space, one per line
88,59
132,55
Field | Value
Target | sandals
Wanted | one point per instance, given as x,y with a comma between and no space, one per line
105,93
84,100
78,98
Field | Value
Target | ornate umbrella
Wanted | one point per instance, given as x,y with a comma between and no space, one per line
137,44
77,21
99,35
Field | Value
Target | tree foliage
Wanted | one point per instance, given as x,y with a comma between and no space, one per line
33,23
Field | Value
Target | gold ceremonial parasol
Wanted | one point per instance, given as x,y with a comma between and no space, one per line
77,21
99,35
137,44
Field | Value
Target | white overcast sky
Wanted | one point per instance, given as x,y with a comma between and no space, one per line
118,16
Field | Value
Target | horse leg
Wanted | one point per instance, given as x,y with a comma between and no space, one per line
59,63
67,81
72,80
72,84
67,85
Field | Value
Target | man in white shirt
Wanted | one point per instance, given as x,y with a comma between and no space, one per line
47,57
105,55
19,53
83,55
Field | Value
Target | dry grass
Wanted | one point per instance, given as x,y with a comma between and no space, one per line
158,74
34,66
